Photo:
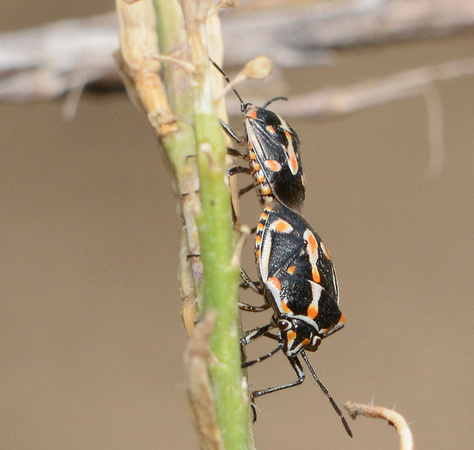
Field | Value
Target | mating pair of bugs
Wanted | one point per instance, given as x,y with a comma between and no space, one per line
297,276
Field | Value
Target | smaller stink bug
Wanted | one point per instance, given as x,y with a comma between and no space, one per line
273,154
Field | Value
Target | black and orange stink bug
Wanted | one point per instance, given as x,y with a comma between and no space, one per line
273,154
298,281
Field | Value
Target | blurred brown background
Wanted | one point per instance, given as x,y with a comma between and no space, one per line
90,330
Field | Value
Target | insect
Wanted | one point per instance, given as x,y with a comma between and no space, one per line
298,281
273,154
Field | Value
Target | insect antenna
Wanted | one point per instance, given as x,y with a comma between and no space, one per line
274,100
328,395
242,104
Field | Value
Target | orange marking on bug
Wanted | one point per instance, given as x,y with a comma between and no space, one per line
305,342
252,155
316,276
271,129
313,244
282,226
312,311
257,253
256,166
273,165
325,250
260,226
284,307
290,336
258,239
342,320
252,114
275,281
291,270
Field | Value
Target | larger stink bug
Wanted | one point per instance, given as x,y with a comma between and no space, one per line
298,281
288,249
272,152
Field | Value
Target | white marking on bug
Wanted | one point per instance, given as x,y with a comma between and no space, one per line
265,250
316,290
284,125
252,138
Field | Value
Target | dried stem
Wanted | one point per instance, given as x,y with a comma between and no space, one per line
339,101
181,109
48,61
392,417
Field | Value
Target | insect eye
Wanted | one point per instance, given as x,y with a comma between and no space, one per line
284,325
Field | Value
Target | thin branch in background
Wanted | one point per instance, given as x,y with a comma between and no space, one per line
392,417
339,101
305,33
38,63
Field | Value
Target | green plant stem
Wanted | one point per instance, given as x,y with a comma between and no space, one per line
220,290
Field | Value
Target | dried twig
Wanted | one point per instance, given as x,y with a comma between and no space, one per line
47,61
302,34
338,101
44,62
179,103
392,417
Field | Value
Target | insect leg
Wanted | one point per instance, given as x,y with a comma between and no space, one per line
238,169
236,153
230,132
251,335
248,283
295,363
245,189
